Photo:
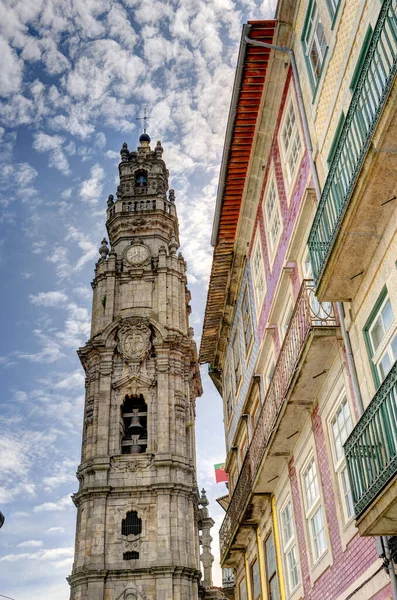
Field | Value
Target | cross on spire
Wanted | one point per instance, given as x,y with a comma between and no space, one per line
145,118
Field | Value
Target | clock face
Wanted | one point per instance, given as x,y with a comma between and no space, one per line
137,254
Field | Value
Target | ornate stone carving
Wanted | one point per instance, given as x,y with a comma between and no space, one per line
132,465
131,593
89,411
134,339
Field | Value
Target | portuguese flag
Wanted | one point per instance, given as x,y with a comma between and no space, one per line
220,474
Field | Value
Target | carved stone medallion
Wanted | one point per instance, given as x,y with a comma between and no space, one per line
134,336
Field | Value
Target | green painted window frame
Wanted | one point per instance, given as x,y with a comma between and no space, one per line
333,13
335,142
367,327
361,58
314,83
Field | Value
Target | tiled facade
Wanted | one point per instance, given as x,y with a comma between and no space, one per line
297,486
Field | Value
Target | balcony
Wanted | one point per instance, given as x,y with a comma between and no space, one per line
309,348
371,455
358,199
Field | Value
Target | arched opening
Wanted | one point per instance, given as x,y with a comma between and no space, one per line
132,524
141,178
134,416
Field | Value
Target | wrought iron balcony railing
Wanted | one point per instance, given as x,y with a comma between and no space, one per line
308,314
369,98
371,448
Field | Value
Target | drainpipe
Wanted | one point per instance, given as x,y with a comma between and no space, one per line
339,305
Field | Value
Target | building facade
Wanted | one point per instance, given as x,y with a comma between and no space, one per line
138,506
299,328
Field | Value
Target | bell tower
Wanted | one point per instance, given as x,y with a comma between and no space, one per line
137,505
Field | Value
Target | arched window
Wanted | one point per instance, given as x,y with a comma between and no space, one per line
141,178
134,415
132,524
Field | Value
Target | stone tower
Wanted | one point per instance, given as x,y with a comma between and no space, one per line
137,521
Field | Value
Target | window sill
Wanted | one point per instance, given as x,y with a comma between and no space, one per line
322,564
296,594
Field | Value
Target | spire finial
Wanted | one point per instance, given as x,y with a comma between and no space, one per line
144,136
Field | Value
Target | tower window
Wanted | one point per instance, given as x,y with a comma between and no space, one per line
132,524
130,555
134,416
141,178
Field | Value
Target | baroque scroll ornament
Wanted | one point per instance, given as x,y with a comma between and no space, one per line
134,336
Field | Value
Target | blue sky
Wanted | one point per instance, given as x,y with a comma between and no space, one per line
74,75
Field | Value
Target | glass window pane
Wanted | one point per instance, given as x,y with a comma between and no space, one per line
347,493
377,333
287,524
311,485
384,366
274,589
243,591
318,533
387,315
256,584
270,556
293,570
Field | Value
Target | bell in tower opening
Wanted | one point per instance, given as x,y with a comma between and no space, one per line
137,504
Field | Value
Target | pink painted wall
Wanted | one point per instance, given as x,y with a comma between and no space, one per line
288,214
359,554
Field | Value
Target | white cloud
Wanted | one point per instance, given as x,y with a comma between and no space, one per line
50,352
112,154
41,555
42,142
100,140
55,530
53,299
91,189
13,461
38,247
64,503
11,68
71,381
31,544
66,193
83,292
77,327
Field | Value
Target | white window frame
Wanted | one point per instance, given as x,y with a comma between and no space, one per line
228,393
287,313
340,466
289,547
258,274
313,508
237,368
312,39
274,217
385,345
268,372
247,322
295,139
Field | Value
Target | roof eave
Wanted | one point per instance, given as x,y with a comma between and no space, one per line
229,132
